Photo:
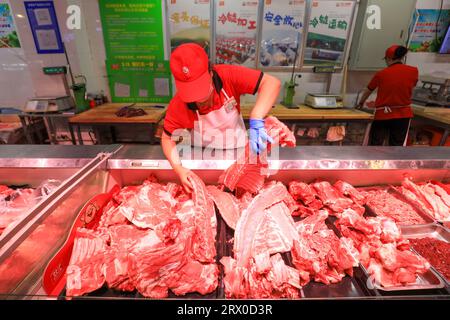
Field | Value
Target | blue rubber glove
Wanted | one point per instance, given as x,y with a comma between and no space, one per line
258,135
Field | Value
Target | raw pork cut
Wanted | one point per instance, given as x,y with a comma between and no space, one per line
265,277
385,203
348,190
306,193
331,197
382,249
14,205
153,254
147,207
251,218
203,242
441,193
227,204
426,198
279,132
264,228
319,254
85,270
247,172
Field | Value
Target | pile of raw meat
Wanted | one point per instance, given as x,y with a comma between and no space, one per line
264,229
385,203
15,202
322,195
382,249
151,238
319,254
430,197
157,239
378,242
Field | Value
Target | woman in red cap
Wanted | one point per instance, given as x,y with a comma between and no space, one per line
207,103
393,103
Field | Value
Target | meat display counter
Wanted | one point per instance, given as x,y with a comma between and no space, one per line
24,257
33,179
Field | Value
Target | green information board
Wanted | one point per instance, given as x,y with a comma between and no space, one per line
134,43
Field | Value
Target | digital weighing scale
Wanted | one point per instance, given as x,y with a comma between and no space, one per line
49,104
323,101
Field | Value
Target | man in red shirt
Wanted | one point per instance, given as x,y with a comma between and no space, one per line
393,103
207,103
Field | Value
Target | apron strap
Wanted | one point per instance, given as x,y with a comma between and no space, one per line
199,123
407,133
388,109
225,94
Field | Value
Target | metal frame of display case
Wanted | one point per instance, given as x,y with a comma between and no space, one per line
361,166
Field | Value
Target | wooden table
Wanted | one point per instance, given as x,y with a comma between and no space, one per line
438,117
307,114
105,116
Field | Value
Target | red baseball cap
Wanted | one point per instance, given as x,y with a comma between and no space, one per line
189,65
390,52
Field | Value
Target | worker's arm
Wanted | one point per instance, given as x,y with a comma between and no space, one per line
268,91
365,95
170,151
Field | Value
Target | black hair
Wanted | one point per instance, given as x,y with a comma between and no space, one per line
400,52
217,82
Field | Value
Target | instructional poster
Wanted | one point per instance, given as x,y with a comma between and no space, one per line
282,32
329,27
236,32
189,21
8,33
44,26
429,30
134,43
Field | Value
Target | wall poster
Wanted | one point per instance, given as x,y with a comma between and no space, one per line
134,43
329,27
189,21
282,32
236,31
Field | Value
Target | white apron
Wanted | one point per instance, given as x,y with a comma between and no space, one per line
388,109
223,128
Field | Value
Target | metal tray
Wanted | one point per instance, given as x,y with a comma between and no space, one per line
394,192
428,281
435,231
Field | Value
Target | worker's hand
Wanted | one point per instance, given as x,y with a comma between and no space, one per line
359,106
258,136
183,174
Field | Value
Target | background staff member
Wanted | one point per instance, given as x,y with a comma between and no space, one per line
393,103
208,100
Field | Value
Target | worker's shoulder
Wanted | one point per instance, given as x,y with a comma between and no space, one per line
226,69
407,67
399,69
176,104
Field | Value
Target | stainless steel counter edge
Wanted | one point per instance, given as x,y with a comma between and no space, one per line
304,158
51,156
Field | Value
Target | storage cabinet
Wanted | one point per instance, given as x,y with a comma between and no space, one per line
368,45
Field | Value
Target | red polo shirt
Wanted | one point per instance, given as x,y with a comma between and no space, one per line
236,80
395,85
